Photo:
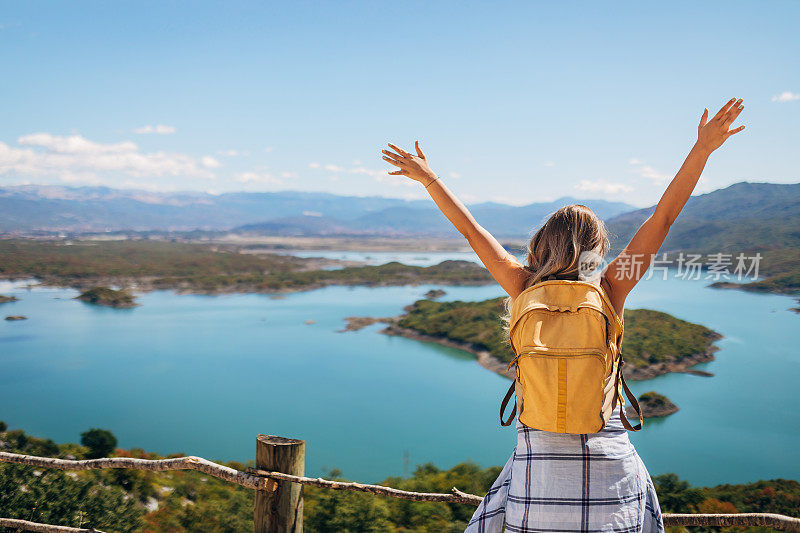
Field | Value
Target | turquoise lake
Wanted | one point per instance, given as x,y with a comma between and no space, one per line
203,375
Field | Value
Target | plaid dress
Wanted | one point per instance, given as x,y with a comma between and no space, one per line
573,483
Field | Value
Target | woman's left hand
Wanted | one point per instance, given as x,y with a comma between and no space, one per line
712,133
414,166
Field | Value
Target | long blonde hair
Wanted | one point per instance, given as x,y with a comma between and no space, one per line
554,251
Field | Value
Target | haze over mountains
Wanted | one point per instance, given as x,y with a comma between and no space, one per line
94,209
744,216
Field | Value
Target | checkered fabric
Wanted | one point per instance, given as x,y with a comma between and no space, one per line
573,483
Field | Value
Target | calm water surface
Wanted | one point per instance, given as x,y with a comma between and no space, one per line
204,374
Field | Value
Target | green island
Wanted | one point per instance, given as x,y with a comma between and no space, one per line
206,269
654,343
653,405
107,297
7,299
187,501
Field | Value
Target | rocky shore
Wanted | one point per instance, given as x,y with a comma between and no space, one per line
684,365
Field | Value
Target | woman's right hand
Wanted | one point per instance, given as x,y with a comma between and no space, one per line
414,166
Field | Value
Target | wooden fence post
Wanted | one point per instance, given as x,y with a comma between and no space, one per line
279,507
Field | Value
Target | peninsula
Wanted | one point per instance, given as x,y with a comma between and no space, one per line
209,269
655,343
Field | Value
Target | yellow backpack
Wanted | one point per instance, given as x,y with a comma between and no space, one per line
566,338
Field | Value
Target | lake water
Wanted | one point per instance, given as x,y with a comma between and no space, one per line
204,374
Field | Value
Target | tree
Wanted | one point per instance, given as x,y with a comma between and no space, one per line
676,495
100,442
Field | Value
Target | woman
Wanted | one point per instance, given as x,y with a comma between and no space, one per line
562,481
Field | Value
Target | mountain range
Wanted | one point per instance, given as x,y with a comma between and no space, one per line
751,216
39,208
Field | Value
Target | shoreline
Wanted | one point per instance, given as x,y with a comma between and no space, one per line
485,359
145,285
488,361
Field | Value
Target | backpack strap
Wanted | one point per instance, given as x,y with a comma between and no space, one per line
505,404
631,397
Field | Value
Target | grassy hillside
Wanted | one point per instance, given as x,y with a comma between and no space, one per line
187,501
743,218
654,337
651,337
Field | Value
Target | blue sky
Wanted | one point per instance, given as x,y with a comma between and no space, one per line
513,102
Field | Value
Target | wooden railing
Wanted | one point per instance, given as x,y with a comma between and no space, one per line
279,473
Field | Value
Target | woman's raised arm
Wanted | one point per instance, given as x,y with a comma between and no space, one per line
503,266
627,269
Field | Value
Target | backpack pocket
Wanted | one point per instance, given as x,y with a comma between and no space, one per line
562,392
549,328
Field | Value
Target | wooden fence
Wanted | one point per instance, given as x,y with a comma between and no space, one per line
279,474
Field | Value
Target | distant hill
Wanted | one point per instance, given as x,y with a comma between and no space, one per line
745,217
91,209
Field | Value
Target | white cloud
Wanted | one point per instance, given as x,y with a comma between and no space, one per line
650,173
646,171
604,187
395,181
232,153
506,200
289,174
74,144
209,162
259,178
380,175
269,149
160,129
786,96
549,164
76,159
455,175
366,171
